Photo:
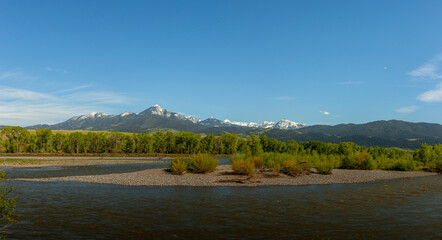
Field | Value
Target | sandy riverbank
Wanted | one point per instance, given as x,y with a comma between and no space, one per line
160,177
54,161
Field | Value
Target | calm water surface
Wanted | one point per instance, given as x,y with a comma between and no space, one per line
395,209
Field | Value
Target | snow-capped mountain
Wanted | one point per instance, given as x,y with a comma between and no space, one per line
213,122
159,111
210,122
287,124
162,112
152,117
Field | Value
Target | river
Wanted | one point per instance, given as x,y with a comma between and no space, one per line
393,209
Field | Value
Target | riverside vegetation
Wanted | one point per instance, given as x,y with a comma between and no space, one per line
200,163
262,151
7,206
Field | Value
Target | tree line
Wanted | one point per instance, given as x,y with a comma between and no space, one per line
20,140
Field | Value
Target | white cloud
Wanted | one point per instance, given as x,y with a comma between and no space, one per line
350,83
75,88
25,107
426,70
432,95
7,93
8,75
408,109
429,70
324,112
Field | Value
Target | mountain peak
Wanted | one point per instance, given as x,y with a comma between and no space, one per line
287,124
157,110
157,106
162,112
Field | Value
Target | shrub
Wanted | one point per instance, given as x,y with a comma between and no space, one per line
203,163
243,165
403,165
438,167
258,161
293,168
179,166
370,164
348,162
276,169
360,160
325,165
271,159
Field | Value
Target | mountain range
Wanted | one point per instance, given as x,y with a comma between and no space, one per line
392,133
150,118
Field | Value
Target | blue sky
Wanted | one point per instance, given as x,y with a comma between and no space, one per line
314,62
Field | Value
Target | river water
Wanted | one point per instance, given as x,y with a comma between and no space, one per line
393,209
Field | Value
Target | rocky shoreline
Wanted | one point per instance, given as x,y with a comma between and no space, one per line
161,177
54,161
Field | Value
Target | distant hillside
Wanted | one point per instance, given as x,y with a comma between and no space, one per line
394,129
385,141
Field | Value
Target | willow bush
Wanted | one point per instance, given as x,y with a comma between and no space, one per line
178,166
203,163
242,164
324,164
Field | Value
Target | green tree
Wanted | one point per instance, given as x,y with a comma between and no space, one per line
128,144
44,140
425,154
58,142
16,136
170,141
143,143
159,145
208,144
255,145
77,142
243,147
229,143
115,140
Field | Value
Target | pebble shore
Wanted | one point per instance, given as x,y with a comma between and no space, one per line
48,161
161,177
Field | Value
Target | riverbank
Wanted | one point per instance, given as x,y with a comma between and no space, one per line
161,177
55,161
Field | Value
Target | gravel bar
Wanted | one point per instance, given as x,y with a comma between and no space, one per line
160,177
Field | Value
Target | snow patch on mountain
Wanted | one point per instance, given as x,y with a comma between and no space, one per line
268,124
241,124
193,119
90,115
126,114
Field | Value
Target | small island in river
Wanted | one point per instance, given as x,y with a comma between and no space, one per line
163,177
